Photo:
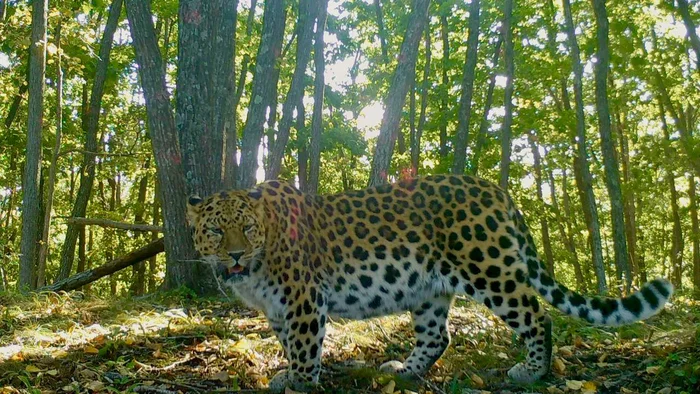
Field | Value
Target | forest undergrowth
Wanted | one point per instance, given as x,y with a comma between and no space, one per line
174,343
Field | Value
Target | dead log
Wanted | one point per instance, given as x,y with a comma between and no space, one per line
113,224
109,268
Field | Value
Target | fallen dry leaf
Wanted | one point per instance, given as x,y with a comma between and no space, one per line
32,369
221,376
566,351
589,388
389,388
653,370
574,384
91,349
478,382
95,385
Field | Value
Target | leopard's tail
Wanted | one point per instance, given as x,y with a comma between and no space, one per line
646,302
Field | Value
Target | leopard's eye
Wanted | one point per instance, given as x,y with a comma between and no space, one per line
247,228
216,230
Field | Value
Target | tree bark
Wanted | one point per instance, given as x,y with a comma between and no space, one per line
17,100
152,262
205,89
139,270
31,206
90,126
508,95
319,87
302,146
484,125
690,29
628,201
465,102
425,87
270,47
584,180
544,225
612,172
305,29
44,247
397,93
179,246
695,235
89,276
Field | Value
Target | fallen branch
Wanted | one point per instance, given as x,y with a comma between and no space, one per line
109,268
112,224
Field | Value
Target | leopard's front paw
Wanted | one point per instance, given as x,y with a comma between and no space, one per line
284,379
395,367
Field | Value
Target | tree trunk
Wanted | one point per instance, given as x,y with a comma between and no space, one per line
31,206
465,102
690,29
628,201
567,237
205,89
444,102
381,32
89,276
302,147
584,181
305,29
44,248
179,246
82,255
90,126
484,125
692,195
17,100
544,225
139,270
508,95
319,87
677,238
425,86
152,262
396,97
612,172
270,47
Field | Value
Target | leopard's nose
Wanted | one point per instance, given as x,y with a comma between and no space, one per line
236,255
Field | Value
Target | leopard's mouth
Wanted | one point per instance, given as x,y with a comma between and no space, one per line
233,271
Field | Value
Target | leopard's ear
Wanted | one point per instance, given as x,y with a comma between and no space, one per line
255,194
194,205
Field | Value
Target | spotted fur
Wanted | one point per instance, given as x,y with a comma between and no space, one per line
409,246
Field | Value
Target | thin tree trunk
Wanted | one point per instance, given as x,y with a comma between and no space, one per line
677,238
273,21
319,87
109,234
82,258
44,248
178,242
444,102
567,237
305,28
396,97
584,180
508,95
695,235
152,262
381,32
640,241
17,100
544,225
31,207
425,86
90,127
139,270
628,201
465,102
690,29
612,172
302,147
484,125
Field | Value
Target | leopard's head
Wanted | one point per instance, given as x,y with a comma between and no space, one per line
229,230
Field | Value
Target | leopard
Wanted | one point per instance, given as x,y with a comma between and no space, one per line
408,246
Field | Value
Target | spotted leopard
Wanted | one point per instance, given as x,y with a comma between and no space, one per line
410,246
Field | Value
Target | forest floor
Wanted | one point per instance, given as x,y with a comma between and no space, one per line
171,343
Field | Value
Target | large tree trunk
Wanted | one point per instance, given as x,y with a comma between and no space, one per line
405,70
270,47
484,124
31,206
544,225
690,29
44,247
89,276
465,101
179,246
508,95
90,126
319,87
425,86
584,180
612,172
695,236
305,28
